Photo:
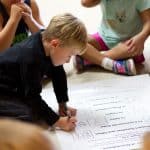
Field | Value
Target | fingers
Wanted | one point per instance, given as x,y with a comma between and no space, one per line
134,48
72,123
73,120
67,111
72,111
25,14
24,7
62,113
128,42
130,45
70,127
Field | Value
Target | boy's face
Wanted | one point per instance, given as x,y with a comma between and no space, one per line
62,54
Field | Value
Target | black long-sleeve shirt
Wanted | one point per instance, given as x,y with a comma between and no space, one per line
21,70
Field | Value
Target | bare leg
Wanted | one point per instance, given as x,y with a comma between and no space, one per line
94,43
93,55
120,51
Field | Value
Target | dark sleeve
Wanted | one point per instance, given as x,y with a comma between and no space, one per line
59,81
27,2
42,109
31,83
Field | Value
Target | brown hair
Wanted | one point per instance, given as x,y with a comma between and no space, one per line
15,135
146,141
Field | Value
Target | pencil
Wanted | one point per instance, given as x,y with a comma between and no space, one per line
68,115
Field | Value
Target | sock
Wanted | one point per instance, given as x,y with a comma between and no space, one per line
107,63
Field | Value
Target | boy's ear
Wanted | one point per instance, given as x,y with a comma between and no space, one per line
55,43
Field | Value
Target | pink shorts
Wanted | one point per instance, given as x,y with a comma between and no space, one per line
97,37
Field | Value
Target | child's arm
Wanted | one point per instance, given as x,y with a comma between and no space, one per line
90,3
136,43
65,110
59,81
7,32
31,16
145,16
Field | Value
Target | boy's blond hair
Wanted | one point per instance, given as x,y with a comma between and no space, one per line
67,28
16,135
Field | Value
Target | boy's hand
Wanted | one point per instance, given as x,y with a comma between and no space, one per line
64,110
66,123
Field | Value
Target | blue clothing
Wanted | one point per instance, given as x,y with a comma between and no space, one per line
22,29
121,19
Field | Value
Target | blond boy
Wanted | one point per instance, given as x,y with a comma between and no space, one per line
23,66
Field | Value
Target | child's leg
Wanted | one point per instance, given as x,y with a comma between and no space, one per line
120,51
121,66
95,57
96,41
92,56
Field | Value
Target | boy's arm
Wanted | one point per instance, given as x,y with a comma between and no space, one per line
60,87
90,3
59,81
43,111
31,87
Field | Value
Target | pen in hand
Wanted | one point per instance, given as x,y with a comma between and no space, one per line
68,114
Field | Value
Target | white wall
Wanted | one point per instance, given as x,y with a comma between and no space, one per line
90,16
